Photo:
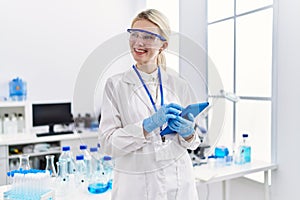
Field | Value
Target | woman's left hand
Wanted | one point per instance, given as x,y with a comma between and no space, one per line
184,127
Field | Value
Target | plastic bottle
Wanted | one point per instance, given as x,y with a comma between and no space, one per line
66,155
80,175
21,123
108,170
246,148
6,124
87,159
14,124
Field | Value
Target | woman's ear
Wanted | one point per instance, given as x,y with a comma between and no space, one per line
163,47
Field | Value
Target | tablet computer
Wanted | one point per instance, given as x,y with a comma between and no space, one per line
195,109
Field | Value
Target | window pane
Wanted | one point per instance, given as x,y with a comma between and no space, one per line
246,5
254,117
220,51
217,9
221,126
254,54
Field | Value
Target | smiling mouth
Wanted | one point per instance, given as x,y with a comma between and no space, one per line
140,51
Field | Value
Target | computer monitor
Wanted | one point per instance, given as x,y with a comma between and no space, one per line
51,114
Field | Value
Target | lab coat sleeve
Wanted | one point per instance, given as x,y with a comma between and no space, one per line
115,139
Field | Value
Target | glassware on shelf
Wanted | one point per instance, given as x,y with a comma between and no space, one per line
50,165
24,162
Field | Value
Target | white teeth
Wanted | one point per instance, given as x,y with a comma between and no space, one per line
140,50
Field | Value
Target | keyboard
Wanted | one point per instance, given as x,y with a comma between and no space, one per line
54,133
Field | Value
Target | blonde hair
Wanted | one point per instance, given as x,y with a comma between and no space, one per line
160,20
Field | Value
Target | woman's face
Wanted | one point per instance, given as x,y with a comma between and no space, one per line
145,46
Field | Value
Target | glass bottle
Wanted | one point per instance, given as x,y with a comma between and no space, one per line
108,170
24,162
246,148
50,165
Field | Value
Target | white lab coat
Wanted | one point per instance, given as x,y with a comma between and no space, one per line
145,168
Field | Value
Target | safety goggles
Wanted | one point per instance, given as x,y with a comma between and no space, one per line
146,37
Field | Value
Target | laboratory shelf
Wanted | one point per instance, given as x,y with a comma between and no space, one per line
36,154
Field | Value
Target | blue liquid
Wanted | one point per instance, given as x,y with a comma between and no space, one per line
247,154
98,188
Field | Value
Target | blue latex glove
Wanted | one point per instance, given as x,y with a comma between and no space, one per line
158,119
184,127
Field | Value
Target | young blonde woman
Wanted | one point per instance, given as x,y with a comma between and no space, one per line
137,105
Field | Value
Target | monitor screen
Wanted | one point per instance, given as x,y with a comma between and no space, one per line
51,114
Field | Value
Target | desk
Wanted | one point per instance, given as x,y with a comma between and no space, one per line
78,195
207,174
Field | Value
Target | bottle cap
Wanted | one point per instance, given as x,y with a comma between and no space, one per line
66,148
79,157
93,149
245,135
106,158
83,147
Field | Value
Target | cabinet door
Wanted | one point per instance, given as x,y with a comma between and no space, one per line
3,151
3,170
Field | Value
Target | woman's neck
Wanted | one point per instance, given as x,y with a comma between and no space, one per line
147,68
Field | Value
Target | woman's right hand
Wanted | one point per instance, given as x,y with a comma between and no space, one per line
166,112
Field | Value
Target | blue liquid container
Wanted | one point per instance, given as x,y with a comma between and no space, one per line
17,90
98,188
108,170
246,148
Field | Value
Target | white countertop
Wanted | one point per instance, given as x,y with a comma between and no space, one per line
209,174
32,138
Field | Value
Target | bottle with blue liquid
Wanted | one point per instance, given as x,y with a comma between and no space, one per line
108,170
98,183
244,151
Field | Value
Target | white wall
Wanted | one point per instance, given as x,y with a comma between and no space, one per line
46,42
286,179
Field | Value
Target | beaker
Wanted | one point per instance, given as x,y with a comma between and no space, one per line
50,165
24,162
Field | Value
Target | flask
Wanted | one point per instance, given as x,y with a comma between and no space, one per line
80,175
50,165
67,156
24,162
21,123
246,148
87,159
108,170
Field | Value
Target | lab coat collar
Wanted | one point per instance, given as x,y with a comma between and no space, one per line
131,77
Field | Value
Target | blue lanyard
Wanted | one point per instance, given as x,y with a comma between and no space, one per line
160,87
